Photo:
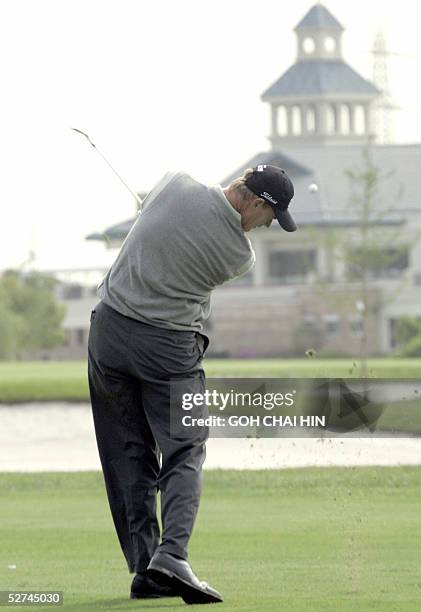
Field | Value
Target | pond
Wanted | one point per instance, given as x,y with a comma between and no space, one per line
60,437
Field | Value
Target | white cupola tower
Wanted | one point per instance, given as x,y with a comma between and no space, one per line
319,36
320,99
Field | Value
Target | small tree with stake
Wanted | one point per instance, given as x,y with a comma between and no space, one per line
371,248
373,253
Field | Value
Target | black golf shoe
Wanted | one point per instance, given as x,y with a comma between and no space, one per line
145,587
177,574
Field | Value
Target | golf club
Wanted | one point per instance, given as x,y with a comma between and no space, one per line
135,195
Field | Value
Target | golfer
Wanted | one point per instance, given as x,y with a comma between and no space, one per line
146,334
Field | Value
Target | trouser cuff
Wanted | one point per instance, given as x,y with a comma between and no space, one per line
173,550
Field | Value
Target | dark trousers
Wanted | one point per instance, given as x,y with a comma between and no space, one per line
131,367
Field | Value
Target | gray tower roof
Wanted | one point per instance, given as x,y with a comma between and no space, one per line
319,17
319,77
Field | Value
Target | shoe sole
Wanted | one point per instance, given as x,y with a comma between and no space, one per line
151,596
137,596
188,593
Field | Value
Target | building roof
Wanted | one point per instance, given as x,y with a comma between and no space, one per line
315,209
398,195
305,206
275,158
319,17
115,232
312,77
399,185
398,189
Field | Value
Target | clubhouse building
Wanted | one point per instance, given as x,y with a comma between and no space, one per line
306,289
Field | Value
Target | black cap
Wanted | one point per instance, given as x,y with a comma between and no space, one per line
274,185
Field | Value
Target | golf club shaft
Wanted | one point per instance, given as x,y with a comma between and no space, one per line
134,194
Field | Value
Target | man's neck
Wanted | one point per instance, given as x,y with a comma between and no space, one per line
231,198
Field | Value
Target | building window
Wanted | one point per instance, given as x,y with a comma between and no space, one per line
392,333
356,326
309,319
72,292
309,45
311,119
344,119
291,267
282,121
80,336
309,322
379,264
245,279
67,338
330,119
330,44
331,324
359,119
296,120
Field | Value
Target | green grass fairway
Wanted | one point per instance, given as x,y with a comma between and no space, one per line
313,368
67,380
291,540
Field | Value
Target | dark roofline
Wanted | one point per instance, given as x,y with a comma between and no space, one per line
114,232
275,158
339,221
343,222
96,236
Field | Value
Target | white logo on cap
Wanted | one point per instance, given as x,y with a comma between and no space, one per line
261,168
267,195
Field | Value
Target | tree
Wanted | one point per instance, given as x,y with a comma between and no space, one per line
372,252
31,316
371,245
9,331
408,337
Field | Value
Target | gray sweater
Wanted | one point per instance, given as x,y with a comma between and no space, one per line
187,240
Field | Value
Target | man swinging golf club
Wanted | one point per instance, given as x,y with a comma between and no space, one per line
146,332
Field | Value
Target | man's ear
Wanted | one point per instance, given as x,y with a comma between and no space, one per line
259,202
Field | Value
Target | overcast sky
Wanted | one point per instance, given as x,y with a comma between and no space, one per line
159,85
